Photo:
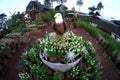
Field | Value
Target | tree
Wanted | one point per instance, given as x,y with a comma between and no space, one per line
100,6
79,3
61,1
73,8
95,11
17,19
92,10
48,3
58,1
52,2
61,7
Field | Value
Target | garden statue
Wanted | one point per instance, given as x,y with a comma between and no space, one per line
59,26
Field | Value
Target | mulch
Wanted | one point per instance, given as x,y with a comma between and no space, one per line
10,71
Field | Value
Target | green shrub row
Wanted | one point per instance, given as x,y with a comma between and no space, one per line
92,30
107,42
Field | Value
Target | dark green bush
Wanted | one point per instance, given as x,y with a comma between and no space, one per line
46,17
92,30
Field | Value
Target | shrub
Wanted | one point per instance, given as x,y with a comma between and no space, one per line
92,30
46,17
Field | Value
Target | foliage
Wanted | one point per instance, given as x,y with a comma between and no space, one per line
6,50
100,6
25,76
95,11
13,36
61,1
16,23
44,18
113,45
5,31
92,30
49,16
79,3
16,20
59,45
58,76
21,29
73,9
2,44
47,3
61,8
33,65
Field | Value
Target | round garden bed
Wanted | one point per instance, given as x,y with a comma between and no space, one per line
62,57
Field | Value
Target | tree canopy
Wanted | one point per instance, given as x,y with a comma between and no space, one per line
79,3
95,11
100,6
47,3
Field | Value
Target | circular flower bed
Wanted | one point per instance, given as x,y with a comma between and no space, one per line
64,49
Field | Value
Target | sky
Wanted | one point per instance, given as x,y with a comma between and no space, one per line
111,7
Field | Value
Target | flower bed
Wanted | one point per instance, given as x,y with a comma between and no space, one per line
61,46
64,49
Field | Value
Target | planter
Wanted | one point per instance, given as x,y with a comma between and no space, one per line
59,66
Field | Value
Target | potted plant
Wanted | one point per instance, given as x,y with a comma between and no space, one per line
61,52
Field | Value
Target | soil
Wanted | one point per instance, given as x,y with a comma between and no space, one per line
10,71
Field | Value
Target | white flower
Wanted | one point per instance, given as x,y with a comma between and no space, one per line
53,34
70,56
43,40
84,50
67,34
89,43
81,38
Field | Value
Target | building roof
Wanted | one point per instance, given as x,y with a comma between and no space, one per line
116,22
3,15
38,4
106,25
